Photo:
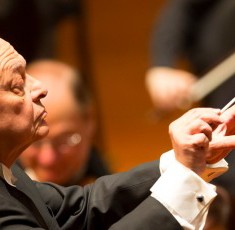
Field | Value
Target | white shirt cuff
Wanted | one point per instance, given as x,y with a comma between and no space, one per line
186,195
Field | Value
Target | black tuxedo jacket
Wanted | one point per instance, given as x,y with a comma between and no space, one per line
119,201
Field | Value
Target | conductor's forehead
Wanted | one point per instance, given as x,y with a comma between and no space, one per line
9,57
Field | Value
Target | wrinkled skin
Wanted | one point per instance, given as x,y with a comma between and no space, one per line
22,114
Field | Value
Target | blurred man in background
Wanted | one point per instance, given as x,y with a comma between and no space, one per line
67,156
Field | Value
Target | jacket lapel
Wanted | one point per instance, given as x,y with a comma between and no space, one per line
26,186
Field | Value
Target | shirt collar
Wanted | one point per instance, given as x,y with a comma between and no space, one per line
7,175
31,174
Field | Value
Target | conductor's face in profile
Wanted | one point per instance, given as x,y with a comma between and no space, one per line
22,114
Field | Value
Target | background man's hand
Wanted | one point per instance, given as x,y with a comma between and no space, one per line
169,88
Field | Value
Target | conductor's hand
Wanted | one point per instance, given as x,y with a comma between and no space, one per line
201,136
169,88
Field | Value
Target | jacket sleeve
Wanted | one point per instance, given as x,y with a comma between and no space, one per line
117,201
170,32
175,31
150,214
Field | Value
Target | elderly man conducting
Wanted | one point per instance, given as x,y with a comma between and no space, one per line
138,199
